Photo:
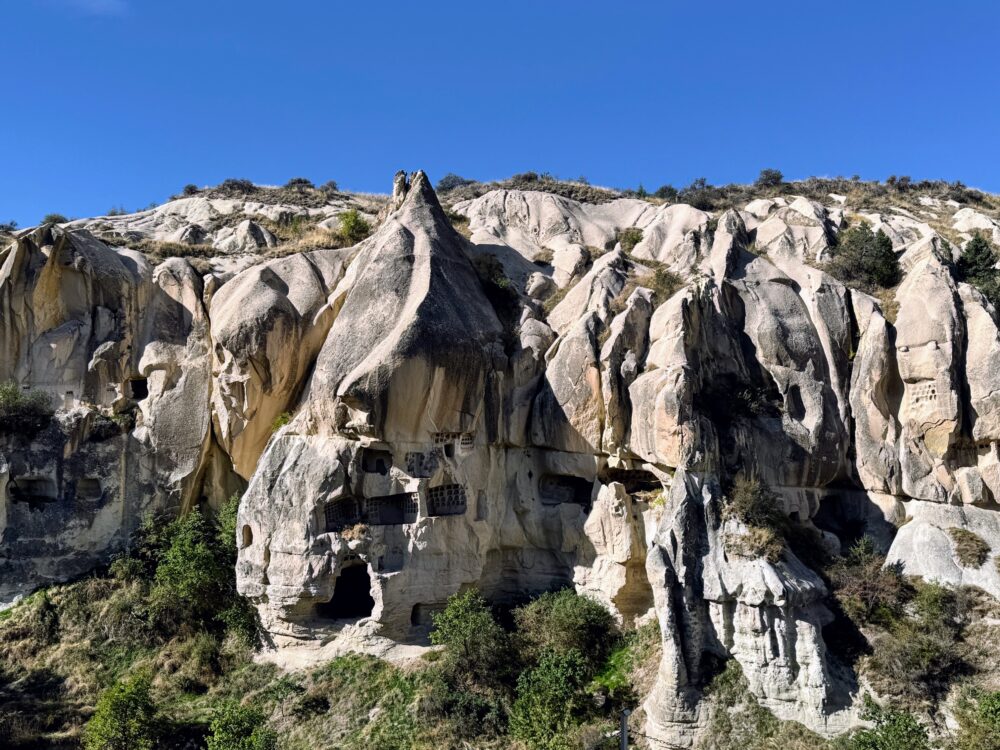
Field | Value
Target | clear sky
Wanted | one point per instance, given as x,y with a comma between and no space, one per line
123,102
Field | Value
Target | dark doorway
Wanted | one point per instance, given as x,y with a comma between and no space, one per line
138,389
352,596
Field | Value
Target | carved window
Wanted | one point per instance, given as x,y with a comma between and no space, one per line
446,500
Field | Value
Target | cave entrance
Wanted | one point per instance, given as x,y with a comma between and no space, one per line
138,389
556,489
352,596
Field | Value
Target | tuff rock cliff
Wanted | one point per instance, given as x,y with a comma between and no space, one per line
513,412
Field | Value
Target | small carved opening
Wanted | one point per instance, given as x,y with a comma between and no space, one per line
634,480
376,461
138,389
88,488
247,536
421,465
32,490
389,510
446,500
341,513
352,596
556,489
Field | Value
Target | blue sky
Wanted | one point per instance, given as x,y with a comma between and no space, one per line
122,102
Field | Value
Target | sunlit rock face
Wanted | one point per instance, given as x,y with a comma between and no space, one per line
530,409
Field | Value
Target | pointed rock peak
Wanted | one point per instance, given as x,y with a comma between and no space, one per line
415,189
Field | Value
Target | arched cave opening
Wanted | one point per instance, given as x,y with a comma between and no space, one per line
352,596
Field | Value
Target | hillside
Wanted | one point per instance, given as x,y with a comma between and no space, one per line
260,446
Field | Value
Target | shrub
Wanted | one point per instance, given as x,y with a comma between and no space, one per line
475,643
189,190
353,227
550,701
117,211
125,718
664,284
475,670
239,186
667,193
24,413
699,194
329,187
893,730
280,421
865,258
970,548
737,721
979,723
921,654
8,227
978,261
867,589
769,178
562,622
752,502
192,571
299,183
54,219
451,181
977,266
237,727
629,238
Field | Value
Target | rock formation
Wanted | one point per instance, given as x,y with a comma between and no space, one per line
558,425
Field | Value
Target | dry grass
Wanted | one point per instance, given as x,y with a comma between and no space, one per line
758,542
970,548
887,301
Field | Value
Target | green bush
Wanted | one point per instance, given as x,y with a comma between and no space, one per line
977,266
329,188
54,219
563,622
866,259
769,178
125,718
299,183
476,670
353,227
979,723
475,644
193,571
629,238
869,591
189,190
237,727
281,420
23,413
451,181
550,701
238,186
921,654
667,193
893,730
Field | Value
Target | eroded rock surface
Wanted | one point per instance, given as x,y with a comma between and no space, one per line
403,423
